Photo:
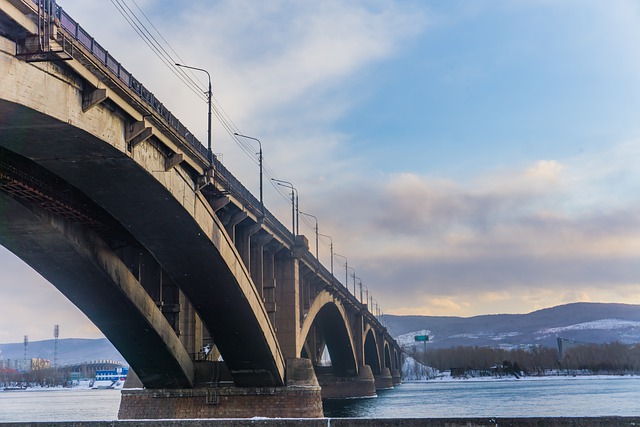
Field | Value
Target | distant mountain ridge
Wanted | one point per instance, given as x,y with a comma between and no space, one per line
583,322
70,350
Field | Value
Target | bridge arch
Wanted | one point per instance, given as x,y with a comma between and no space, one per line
206,266
397,363
371,356
330,317
387,356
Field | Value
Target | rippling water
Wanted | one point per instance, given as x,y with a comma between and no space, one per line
569,397
59,405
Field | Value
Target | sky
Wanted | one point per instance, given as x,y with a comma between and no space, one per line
467,157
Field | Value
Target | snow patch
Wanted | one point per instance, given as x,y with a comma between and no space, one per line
603,325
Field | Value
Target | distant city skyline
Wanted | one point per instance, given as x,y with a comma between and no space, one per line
466,157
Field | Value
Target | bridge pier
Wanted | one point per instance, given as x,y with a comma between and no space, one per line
384,381
396,377
336,387
300,398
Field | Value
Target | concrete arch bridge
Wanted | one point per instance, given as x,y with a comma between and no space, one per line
218,309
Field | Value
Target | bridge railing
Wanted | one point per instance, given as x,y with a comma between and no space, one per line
222,174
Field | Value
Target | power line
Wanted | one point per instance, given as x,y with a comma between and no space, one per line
190,80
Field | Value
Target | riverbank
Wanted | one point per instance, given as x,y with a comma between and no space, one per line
354,422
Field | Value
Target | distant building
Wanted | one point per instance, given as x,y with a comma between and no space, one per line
38,364
117,374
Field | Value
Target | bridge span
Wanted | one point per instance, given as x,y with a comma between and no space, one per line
219,310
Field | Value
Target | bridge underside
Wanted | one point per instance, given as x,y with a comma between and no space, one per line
143,206
87,271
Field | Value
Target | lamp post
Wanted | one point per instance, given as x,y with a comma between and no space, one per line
354,283
261,170
295,223
354,288
330,249
209,96
316,218
346,268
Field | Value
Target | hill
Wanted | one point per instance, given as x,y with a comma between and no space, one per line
584,322
70,350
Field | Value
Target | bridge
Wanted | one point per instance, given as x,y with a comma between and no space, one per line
218,308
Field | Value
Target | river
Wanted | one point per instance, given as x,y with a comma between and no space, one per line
566,396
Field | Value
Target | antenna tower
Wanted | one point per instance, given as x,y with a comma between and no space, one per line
56,333
26,341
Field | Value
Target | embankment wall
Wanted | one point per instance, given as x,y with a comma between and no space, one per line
352,422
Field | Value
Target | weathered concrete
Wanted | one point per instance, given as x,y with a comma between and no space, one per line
41,119
200,264
331,318
337,387
396,377
353,422
384,381
84,269
221,402
215,396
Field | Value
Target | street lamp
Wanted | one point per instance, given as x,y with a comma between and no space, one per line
260,163
330,249
346,268
366,301
316,218
354,281
294,205
209,96
354,289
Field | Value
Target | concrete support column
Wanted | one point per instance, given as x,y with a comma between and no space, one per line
287,319
190,328
269,280
150,276
257,258
243,235
358,336
334,387
231,222
301,398
396,377
384,381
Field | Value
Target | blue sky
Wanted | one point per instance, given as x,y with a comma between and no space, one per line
468,157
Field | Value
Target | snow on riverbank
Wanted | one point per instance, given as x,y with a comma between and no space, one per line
414,371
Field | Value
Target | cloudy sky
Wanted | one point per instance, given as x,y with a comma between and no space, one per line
466,157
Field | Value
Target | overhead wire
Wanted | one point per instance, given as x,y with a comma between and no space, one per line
195,85
153,44
191,81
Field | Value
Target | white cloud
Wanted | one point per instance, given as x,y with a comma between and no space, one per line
554,230
497,238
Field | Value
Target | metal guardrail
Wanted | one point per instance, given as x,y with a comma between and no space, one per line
222,174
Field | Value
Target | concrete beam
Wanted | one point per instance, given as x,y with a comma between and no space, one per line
140,138
172,161
134,130
81,266
93,98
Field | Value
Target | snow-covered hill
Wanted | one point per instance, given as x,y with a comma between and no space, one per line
583,322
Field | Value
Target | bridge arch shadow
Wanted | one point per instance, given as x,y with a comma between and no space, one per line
371,356
328,318
183,235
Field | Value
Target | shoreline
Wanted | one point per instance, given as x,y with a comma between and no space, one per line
353,422
559,377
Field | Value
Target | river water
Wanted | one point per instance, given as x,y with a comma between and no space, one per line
568,397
